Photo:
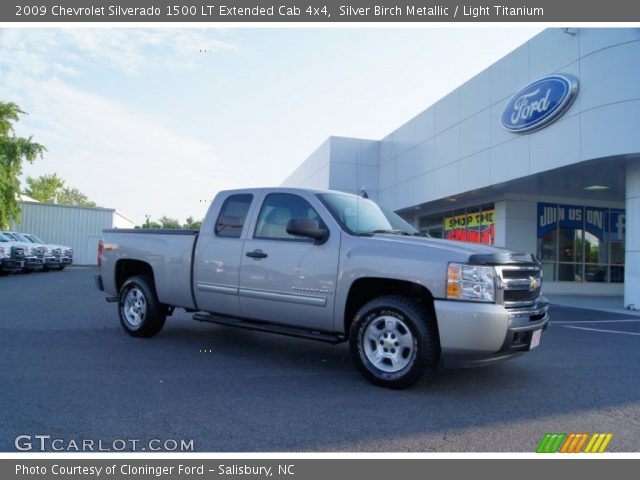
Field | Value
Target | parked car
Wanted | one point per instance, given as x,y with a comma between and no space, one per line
11,256
57,256
333,267
33,254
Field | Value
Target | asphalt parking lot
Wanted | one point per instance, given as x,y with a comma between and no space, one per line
68,370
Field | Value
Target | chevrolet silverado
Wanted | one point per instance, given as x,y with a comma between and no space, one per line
333,267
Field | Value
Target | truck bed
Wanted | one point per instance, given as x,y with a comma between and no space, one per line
169,252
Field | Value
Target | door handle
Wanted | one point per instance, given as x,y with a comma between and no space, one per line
257,254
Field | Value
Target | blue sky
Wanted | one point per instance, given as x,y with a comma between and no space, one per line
157,121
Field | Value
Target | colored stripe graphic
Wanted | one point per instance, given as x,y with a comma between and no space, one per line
578,442
591,443
550,443
566,445
543,443
574,442
598,443
605,443
581,442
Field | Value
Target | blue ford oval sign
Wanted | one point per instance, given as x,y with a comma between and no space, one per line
539,103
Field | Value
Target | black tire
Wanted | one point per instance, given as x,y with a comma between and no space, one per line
415,357
141,314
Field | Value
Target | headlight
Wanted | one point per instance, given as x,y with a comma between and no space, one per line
4,252
471,282
49,251
28,251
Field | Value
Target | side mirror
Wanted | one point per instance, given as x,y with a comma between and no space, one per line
306,227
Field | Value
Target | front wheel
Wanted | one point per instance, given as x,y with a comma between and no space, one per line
394,342
141,314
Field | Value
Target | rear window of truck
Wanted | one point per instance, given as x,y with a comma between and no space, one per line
233,215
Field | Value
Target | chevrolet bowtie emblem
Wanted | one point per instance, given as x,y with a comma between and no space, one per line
533,284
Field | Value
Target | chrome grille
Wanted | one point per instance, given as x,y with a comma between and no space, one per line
17,252
57,252
40,251
68,252
519,285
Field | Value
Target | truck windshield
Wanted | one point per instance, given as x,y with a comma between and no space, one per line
362,216
34,238
20,237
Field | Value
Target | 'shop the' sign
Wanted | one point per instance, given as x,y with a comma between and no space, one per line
539,103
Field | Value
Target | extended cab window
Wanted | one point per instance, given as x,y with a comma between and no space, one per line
233,215
277,210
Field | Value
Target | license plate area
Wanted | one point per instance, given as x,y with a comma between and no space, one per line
535,339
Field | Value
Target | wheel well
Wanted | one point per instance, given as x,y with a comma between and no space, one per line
366,289
126,269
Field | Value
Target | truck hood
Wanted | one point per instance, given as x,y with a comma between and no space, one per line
52,245
15,243
476,253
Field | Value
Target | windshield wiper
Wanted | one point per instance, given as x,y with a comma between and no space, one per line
395,232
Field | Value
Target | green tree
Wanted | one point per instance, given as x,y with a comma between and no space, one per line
148,223
191,224
52,189
73,196
167,222
44,188
13,152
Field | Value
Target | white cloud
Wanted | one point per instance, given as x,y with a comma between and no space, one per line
133,49
126,159
29,52
119,156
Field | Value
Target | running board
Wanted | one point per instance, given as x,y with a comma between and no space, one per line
270,328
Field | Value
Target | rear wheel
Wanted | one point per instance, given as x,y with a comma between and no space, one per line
394,342
141,314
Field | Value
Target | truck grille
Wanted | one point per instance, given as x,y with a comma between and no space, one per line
519,285
40,251
17,253
57,252
68,252
521,296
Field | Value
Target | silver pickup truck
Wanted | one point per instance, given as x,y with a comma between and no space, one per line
333,267
11,255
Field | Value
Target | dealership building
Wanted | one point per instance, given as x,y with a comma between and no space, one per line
540,153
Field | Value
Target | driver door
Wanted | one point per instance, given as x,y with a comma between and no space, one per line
287,279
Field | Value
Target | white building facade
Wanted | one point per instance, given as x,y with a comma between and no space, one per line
540,153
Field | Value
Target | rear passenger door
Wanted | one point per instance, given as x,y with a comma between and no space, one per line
287,279
218,255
